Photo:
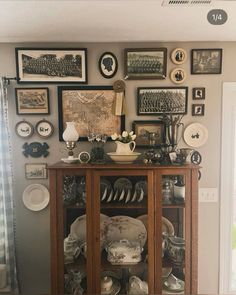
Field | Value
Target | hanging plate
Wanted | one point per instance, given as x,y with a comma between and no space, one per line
36,197
195,135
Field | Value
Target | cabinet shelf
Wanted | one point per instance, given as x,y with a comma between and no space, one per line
123,206
173,206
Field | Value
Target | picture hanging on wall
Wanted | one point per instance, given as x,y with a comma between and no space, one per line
92,107
206,61
159,100
147,63
48,65
198,109
35,171
199,93
32,101
108,65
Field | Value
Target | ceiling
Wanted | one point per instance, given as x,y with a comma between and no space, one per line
112,21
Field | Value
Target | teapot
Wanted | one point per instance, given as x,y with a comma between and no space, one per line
137,286
124,251
176,249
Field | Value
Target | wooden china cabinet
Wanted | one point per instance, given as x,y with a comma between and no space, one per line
104,205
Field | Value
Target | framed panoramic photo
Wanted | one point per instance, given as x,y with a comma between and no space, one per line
206,61
108,65
48,65
147,63
32,101
35,171
149,133
92,107
160,100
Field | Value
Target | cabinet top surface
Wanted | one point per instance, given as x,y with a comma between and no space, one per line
135,166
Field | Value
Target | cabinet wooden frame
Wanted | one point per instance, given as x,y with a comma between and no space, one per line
154,174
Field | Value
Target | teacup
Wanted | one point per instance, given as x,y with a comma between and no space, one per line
106,284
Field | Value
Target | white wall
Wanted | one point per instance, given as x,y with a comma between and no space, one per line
32,228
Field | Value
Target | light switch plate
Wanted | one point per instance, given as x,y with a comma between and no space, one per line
208,194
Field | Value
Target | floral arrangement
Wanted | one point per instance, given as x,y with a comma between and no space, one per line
125,137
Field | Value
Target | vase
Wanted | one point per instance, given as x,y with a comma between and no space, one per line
125,148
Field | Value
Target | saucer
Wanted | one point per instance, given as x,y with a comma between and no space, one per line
115,288
70,161
174,284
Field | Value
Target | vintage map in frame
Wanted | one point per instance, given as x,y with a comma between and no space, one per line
92,107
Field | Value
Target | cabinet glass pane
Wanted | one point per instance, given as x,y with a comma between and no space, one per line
173,234
74,200
123,225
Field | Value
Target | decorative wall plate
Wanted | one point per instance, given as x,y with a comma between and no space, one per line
178,75
84,157
36,197
108,65
24,129
178,56
195,135
35,149
44,128
167,226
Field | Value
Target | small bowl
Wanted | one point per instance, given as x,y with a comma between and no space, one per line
124,158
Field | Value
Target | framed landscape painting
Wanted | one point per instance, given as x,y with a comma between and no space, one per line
92,107
160,100
147,63
48,65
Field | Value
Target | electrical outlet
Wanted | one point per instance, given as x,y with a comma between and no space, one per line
208,194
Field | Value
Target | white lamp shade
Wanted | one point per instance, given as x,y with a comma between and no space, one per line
70,133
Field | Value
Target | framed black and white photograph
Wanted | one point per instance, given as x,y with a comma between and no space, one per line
108,65
24,129
198,109
44,128
32,101
48,65
206,61
178,56
149,133
160,100
178,75
35,171
92,108
199,93
147,63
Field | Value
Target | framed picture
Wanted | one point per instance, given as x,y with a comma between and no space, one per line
108,65
178,75
199,93
49,65
159,100
44,128
206,61
149,133
32,101
24,129
36,171
92,107
178,56
198,110
147,63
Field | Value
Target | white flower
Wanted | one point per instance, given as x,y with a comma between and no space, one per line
114,136
125,134
133,137
131,133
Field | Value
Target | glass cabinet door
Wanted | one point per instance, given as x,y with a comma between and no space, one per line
124,232
175,254
75,233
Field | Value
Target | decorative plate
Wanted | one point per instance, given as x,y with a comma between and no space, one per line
178,56
78,227
124,227
123,184
24,129
70,160
108,65
44,128
141,186
178,75
167,226
36,149
196,158
105,189
36,197
195,135
84,157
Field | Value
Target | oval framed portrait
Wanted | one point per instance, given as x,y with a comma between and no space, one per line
178,56
24,129
178,75
44,128
108,65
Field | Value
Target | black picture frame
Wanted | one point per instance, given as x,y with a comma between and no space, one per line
198,109
96,116
145,63
206,61
108,65
32,101
199,93
143,129
160,100
51,65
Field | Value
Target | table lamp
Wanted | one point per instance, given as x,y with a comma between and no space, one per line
70,136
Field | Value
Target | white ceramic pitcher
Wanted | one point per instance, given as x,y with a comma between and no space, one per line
125,148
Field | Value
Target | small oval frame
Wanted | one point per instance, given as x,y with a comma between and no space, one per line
110,64
41,128
178,56
178,75
24,129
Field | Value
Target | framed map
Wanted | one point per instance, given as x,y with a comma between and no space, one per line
92,107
